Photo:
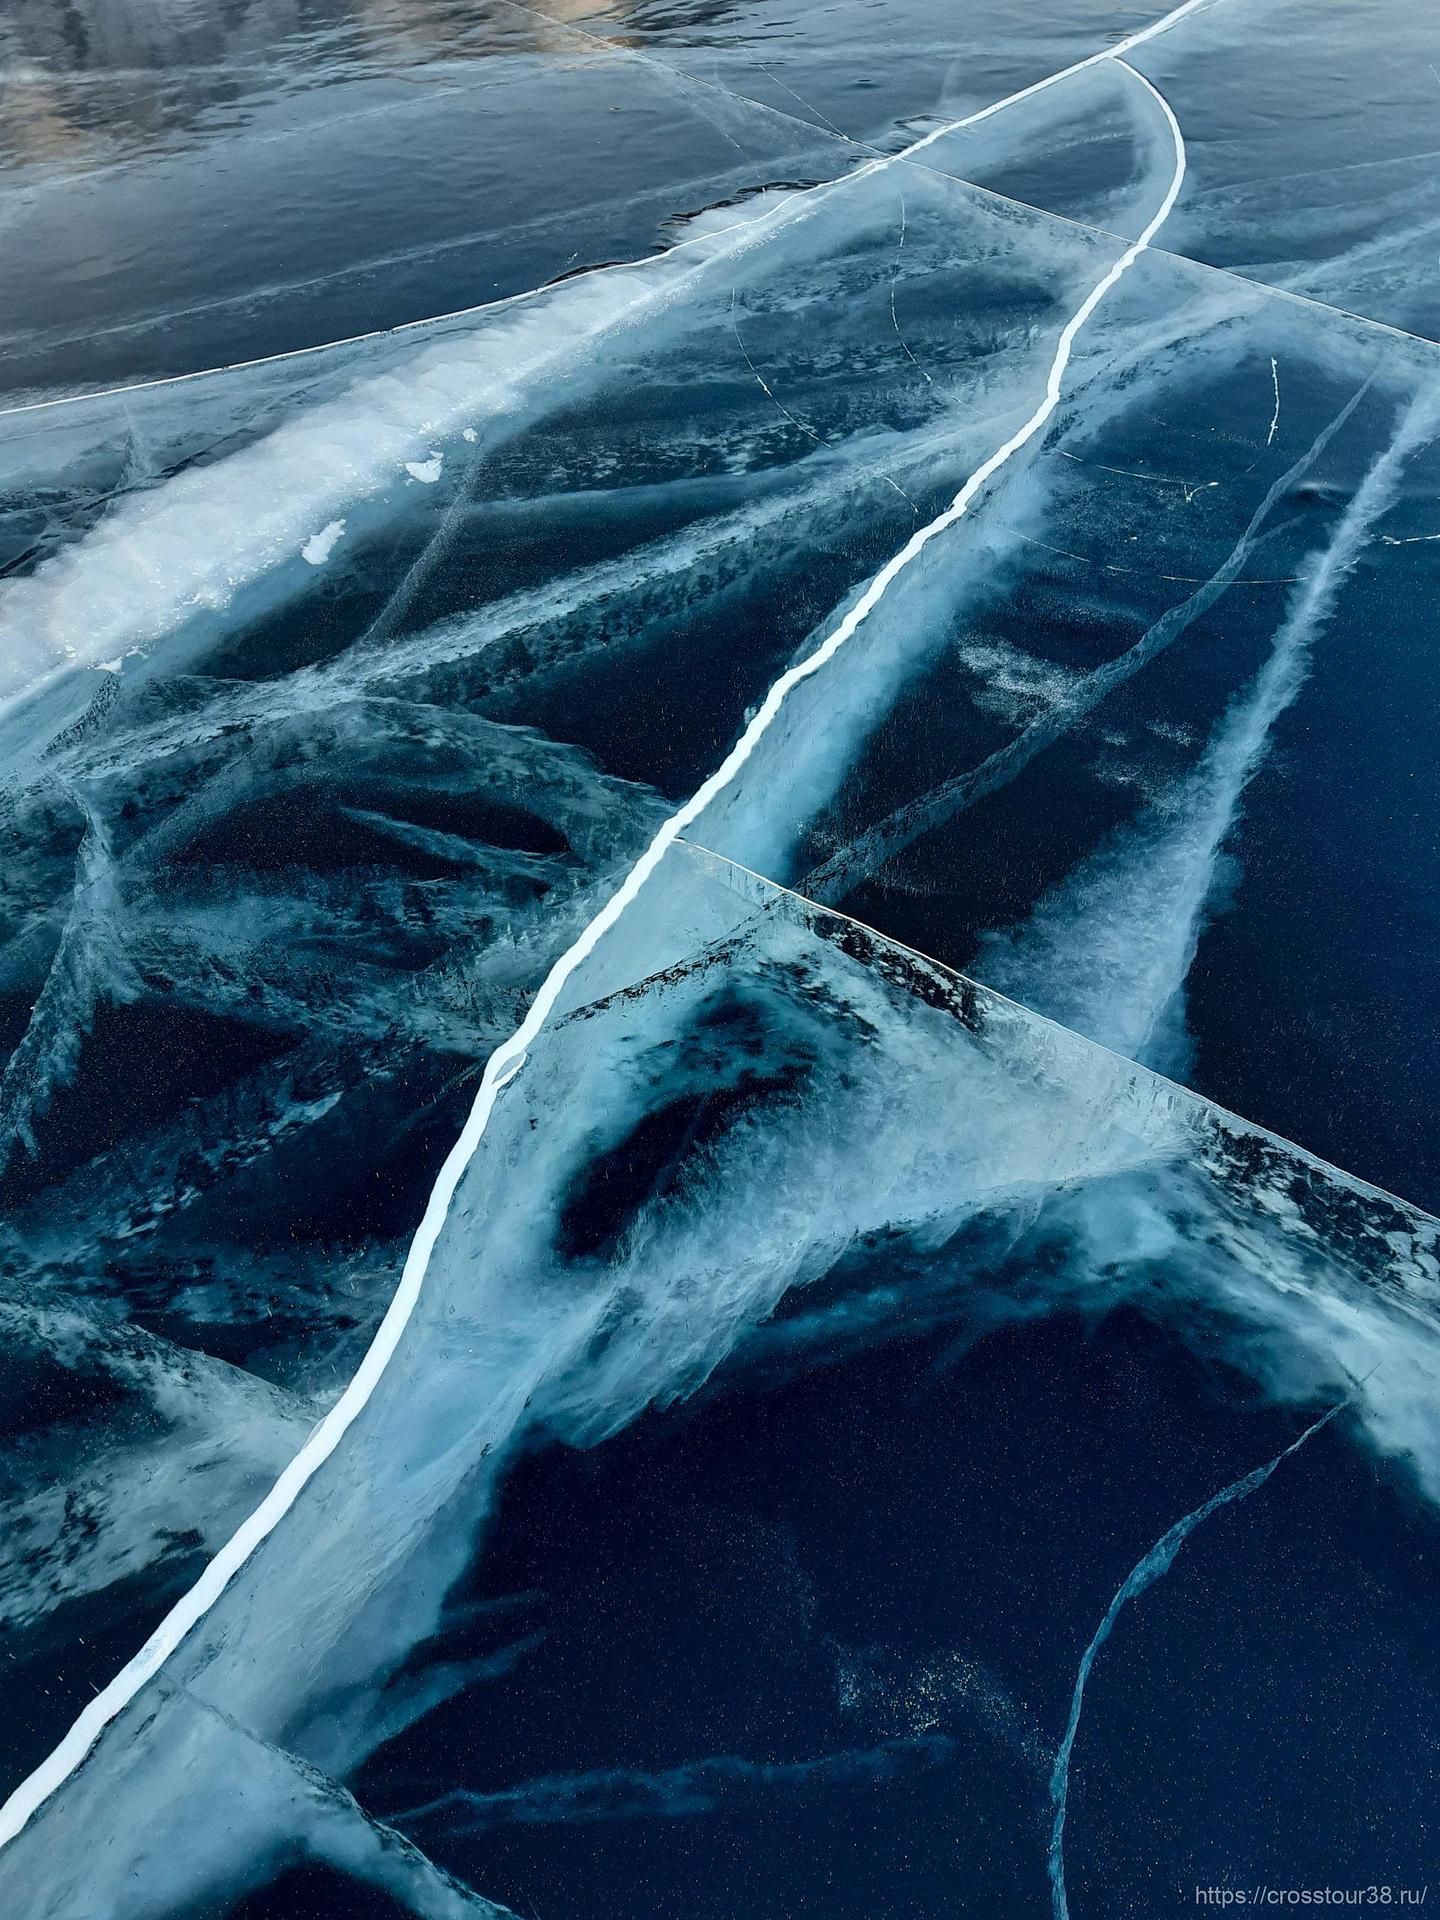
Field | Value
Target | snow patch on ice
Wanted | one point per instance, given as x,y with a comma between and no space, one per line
319,547
1017,686
213,530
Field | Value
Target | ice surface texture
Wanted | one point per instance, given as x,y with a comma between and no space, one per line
1036,573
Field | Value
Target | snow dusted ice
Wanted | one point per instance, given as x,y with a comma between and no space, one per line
515,826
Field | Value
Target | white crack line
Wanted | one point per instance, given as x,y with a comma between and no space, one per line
877,165
1157,1562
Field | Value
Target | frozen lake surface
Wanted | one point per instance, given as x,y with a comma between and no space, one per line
718,956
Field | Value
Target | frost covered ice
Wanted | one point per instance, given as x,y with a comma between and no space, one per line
1067,597
733,1054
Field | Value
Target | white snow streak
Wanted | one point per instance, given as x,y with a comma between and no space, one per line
508,1058
1108,952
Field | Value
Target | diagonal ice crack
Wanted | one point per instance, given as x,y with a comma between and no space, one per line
337,1829
776,891
845,869
90,966
879,163
507,1061
894,284
771,395
696,1787
1110,949
1156,1563
740,227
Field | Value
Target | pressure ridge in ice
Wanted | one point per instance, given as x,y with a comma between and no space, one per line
730,1056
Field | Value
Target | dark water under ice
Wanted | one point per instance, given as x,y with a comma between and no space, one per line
898,1623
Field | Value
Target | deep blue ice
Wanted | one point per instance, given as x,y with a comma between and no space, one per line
999,1125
